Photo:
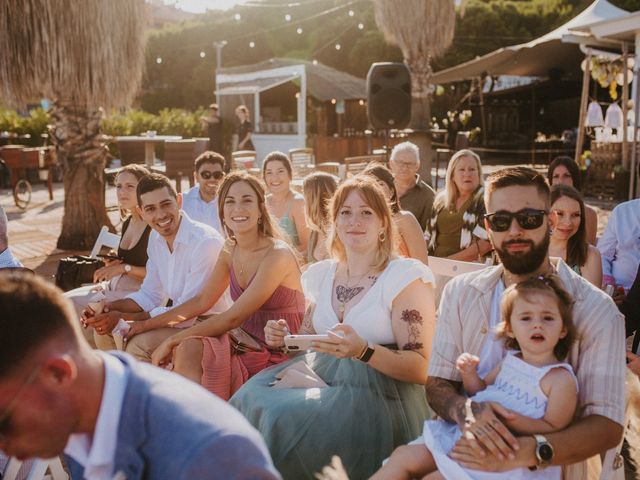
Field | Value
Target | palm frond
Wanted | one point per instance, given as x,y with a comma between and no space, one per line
87,52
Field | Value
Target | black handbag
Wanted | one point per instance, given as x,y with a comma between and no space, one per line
76,270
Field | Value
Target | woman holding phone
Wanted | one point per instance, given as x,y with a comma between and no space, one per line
377,311
125,269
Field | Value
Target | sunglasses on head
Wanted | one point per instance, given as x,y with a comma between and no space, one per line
216,175
527,218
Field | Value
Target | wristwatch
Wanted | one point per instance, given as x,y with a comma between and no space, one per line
544,452
127,268
366,355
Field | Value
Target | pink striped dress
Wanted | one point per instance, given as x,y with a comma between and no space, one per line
223,372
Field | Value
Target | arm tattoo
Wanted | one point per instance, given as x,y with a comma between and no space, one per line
444,398
307,321
345,294
414,323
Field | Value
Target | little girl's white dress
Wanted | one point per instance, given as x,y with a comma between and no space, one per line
516,387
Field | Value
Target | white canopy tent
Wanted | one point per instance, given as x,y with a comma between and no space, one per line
619,33
537,57
314,79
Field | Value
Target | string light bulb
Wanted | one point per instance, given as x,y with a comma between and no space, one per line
338,46
237,17
351,13
299,30
159,60
360,26
287,17
202,54
252,44
333,101
361,102
315,62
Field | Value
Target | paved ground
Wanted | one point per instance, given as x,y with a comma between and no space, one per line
33,233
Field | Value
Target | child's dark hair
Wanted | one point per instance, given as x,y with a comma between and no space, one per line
544,283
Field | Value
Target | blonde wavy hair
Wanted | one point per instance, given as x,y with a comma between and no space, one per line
451,190
318,188
374,197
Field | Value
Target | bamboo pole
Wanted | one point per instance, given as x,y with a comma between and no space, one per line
583,107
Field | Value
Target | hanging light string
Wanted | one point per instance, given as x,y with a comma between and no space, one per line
265,31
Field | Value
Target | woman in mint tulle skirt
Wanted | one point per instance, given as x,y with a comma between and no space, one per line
379,313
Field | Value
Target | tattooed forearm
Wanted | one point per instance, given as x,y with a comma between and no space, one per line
414,321
444,398
307,321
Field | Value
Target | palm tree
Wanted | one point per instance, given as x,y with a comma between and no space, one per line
423,29
84,55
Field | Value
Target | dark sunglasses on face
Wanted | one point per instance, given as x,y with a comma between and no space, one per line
216,175
527,218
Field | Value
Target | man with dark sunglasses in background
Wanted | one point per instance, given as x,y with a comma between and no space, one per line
201,201
111,416
517,202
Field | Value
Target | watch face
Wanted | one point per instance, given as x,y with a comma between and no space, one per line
546,452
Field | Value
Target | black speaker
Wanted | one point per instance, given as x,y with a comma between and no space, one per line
389,95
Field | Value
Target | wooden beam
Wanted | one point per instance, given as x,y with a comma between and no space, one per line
583,107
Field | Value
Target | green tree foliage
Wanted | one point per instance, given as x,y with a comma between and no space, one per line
185,80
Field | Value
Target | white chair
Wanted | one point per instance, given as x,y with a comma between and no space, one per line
38,470
445,269
105,239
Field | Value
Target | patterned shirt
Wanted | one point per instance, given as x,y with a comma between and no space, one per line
597,356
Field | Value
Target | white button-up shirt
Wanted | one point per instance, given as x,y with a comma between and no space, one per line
620,244
199,210
180,275
97,453
7,260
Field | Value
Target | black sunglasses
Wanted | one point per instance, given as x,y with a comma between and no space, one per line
527,218
207,175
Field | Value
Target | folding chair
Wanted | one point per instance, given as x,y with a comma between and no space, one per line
36,470
179,158
243,159
105,239
355,165
302,160
445,269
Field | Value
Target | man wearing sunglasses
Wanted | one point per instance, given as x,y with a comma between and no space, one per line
517,202
111,416
201,202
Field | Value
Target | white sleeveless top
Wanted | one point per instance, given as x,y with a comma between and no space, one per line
371,315
517,386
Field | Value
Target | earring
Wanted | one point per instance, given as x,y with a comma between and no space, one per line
382,236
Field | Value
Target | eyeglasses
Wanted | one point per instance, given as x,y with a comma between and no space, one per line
5,418
216,175
527,218
408,165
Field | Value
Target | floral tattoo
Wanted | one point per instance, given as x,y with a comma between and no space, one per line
414,322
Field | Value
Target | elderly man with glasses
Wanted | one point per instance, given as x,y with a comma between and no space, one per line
111,416
414,194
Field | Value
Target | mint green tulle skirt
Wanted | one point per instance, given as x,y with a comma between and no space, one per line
362,416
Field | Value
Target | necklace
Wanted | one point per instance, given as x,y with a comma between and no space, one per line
345,294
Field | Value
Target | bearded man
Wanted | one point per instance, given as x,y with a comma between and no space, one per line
517,202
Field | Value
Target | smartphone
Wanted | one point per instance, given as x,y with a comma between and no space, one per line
303,342
108,256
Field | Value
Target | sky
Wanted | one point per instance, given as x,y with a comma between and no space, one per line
200,6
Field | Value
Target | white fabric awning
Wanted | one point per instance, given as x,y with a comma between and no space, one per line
537,57
255,85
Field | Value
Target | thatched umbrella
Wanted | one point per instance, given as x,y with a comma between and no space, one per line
85,55
423,29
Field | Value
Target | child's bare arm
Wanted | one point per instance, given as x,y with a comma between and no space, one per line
467,365
561,390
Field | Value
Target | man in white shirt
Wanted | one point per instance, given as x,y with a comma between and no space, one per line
7,260
112,417
620,245
201,202
182,254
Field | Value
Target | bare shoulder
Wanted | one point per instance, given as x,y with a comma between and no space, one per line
559,378
298,200
280,255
